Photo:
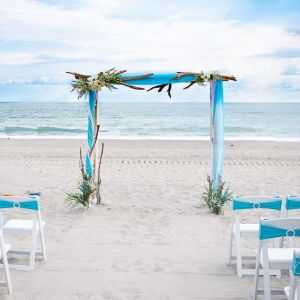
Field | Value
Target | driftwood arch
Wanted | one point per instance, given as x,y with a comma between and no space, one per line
91,84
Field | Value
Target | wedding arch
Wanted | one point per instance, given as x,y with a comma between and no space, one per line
91,84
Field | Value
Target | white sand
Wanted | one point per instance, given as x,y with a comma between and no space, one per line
151,242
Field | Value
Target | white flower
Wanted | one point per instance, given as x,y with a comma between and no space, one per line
96,85
203,76
93,78
207,76
205,79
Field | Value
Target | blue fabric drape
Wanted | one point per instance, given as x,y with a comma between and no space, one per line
218,131
156,79
91,113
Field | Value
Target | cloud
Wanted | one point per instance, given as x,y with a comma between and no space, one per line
282,53
293,31
91,36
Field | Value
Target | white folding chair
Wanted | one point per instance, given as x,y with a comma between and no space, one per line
239,230
3,250
273,258
31,228
292,292
292,203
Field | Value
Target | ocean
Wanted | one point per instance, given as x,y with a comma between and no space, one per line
184,121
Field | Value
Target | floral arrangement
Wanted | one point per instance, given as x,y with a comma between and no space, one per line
216,199
84,83
202,78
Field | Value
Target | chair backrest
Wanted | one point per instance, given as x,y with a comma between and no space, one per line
18,202
296,263
275,228
257,202
31,203
291,203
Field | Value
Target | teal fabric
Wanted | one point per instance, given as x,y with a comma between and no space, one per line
292,202
92,101
269,232
218,131
238,205
30,204
156,79
296,265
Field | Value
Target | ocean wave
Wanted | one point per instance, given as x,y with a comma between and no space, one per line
40,130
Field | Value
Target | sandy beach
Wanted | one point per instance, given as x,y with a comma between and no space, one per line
151,240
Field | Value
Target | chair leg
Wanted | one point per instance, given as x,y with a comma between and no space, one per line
256,275
266,273
43,244
239,265
33,245
32,253
5,264
293,286
7,274
230,246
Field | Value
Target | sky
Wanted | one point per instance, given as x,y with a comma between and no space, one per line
257,41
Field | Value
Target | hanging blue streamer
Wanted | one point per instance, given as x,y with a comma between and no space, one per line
88,161
218,133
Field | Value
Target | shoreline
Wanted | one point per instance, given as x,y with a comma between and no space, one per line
159,138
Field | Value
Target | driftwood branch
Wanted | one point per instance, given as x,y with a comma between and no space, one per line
99,177
100,161
77,76
121,72
229,77
130,86
169,90
160,87
181,74
192,82
95,140
81,165
136,77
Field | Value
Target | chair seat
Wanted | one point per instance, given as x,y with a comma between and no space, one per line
20,226
7,248
279,258
248,230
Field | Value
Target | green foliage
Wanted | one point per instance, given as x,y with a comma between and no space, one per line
81,86
86,189
216,199
95,82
